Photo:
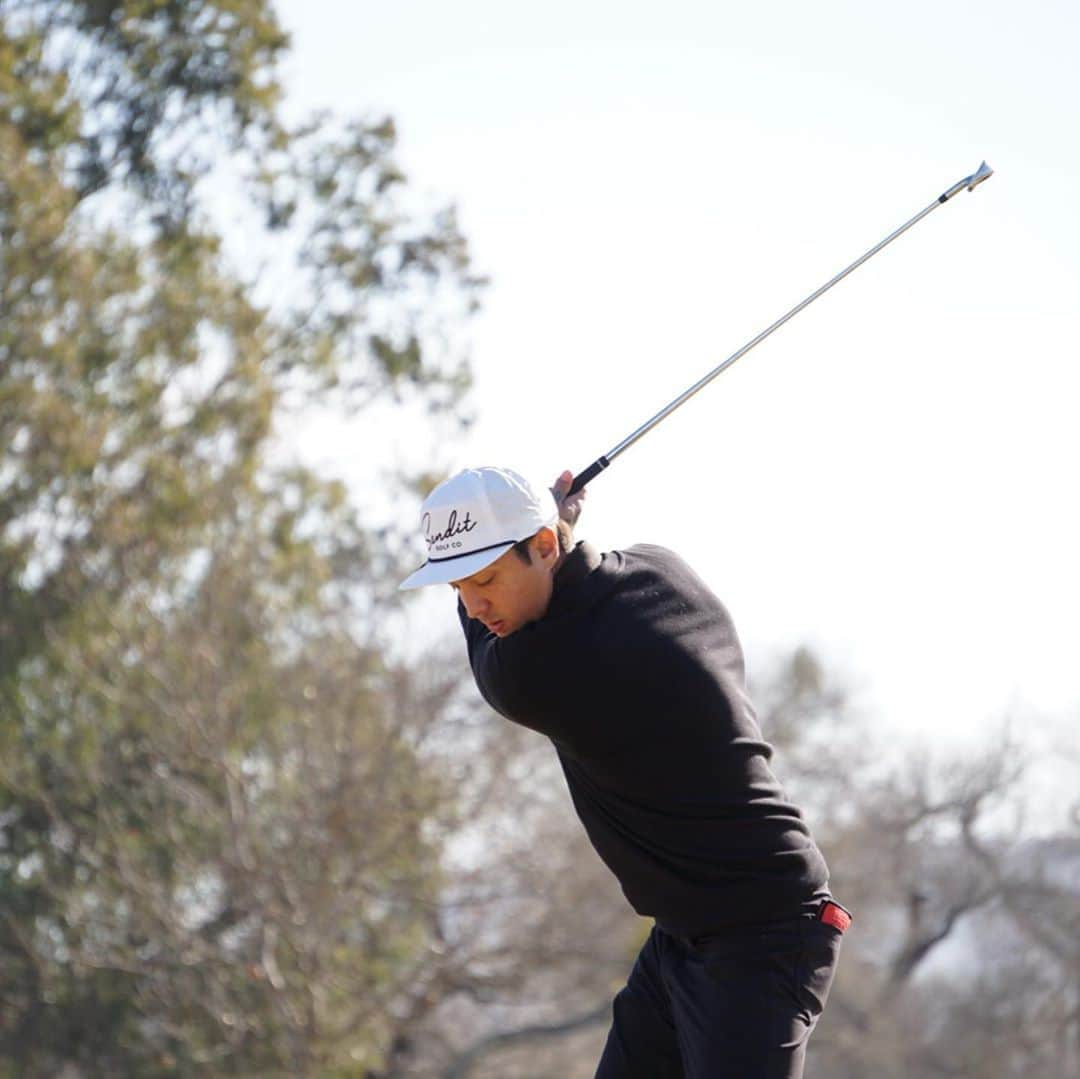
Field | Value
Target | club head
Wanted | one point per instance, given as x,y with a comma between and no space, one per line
983,172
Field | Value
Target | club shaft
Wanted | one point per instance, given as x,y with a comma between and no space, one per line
602,462
703,382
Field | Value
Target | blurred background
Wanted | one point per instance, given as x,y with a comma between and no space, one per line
269,271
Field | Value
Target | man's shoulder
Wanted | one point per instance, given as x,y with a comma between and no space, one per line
616,562
653,555
646,563
651,550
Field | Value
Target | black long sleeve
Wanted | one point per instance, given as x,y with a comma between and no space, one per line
636,674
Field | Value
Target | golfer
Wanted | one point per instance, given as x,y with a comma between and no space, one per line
631,666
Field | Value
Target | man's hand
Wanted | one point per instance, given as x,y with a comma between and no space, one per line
569,508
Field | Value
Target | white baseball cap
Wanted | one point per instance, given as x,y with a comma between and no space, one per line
474,517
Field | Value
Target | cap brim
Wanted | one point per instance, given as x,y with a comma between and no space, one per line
454,569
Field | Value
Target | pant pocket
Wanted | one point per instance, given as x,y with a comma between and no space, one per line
763,965
816,967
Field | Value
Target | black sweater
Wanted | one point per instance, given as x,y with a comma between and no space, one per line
636,674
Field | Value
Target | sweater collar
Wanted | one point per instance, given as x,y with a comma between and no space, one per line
580,562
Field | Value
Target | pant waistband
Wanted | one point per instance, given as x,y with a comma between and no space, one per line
820,907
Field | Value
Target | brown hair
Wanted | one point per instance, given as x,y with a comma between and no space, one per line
566,542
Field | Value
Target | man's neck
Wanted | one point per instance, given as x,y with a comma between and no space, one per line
562,560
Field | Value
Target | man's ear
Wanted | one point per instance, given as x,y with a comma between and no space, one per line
546,543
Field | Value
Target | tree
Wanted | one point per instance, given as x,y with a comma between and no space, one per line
961,958
218,830
535,934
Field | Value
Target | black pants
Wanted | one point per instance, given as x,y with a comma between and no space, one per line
739,1005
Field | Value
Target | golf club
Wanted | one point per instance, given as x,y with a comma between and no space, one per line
970,182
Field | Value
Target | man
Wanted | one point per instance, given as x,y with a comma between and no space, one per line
632,668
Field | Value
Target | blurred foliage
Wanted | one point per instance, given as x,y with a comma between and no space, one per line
219,837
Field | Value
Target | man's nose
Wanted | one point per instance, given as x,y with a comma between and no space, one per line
474,603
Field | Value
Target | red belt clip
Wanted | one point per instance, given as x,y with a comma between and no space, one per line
831,913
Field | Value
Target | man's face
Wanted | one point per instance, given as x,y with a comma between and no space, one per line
509,593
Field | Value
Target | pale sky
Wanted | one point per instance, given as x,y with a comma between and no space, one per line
891,477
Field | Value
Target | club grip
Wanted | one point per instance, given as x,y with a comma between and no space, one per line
591,472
